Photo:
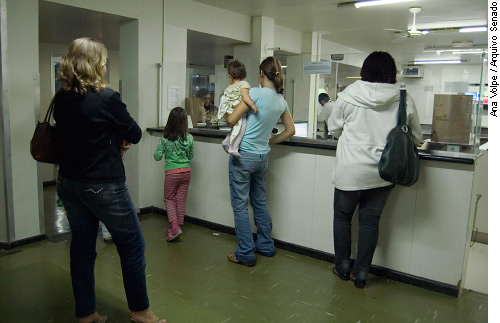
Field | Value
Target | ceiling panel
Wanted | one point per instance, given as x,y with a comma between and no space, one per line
360,29
363,29
208,50
61,24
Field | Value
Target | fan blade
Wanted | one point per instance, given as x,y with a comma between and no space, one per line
399,39
399,30
443,30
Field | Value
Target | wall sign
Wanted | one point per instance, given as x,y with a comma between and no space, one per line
323,67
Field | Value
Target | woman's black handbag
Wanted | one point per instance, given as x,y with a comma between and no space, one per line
399,163
43,146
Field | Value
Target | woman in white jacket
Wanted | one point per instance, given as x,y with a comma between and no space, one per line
362,117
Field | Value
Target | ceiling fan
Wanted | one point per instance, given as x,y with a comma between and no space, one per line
413,31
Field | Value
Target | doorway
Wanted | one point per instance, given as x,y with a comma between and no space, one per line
58,26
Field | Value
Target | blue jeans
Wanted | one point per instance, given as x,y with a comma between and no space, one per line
86,204
247,180
371,203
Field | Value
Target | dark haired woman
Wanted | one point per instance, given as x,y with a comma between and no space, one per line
92,125
362,116
207,111
247,174
177,147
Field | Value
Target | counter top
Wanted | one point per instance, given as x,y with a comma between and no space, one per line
438,155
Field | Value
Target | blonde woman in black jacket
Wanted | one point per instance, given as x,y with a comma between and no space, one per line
94,131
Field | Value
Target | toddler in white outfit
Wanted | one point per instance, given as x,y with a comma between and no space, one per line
233,94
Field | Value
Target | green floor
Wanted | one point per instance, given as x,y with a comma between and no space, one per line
192,281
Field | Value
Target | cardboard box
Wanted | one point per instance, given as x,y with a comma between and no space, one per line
452,119
192,109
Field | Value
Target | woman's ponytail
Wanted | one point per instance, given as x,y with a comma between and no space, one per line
271,68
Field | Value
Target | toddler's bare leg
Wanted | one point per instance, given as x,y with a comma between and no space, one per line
235,144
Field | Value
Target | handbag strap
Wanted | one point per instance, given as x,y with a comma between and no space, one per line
402,108
50,110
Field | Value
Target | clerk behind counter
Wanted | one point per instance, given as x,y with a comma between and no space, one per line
324,111
207,110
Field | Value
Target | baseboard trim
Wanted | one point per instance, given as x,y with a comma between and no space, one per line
49,183
405,278
22,242
480,237
146,210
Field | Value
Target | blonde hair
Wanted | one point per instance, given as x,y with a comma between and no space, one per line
82,66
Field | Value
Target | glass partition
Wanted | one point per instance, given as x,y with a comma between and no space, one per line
450,98
303,86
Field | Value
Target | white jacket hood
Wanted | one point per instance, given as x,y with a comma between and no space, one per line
370,95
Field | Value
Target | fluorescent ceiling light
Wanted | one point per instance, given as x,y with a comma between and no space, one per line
479,49
360,4
473,29
467,52
462,44
449,61
353,77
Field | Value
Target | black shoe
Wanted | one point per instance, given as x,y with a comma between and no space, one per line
343,277
359,283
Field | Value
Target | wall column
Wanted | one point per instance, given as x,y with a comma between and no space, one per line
129,91
314,43
20,212
260,48
304,86
170,72
173,69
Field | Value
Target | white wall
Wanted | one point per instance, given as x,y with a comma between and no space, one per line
352,56
252,55
129,71
288,39
221,83
207,19
22,67
174,67
299,84
3,131
3,209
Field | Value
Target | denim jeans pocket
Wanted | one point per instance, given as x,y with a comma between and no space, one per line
239,174
99,194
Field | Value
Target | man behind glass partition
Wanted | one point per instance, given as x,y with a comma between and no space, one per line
324,111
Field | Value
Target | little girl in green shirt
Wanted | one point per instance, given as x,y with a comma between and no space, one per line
177,147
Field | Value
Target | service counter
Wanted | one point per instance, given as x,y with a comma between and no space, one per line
425,229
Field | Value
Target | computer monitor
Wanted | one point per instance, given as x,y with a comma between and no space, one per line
300,129
475,95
